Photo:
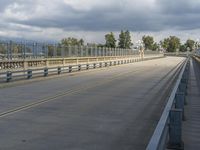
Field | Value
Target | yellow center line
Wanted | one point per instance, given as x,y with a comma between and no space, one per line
62,94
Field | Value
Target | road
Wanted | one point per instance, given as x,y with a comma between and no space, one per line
114,108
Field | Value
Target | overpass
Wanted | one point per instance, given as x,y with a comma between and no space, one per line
110,107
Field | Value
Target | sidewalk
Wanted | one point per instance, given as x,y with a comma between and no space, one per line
191,127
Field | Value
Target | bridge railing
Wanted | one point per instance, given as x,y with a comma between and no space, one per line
182,54
168,130
30,73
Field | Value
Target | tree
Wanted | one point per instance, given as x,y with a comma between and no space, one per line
70,41
50,50
125,40
81,42
128,42
190,43
122,39
155,46
2,49
148,42
165,43
183,48
110,40
171,44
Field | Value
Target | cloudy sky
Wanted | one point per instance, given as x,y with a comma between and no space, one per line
91,19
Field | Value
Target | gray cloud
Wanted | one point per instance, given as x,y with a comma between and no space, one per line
148,15
180,14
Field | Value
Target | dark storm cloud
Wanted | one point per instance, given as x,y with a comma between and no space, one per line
97,19
164,14
180,14
179,7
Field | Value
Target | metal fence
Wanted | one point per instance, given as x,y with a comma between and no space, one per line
31,50
168,132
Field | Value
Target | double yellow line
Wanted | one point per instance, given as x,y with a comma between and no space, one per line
65,93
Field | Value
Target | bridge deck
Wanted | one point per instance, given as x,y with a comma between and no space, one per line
191,127
112,108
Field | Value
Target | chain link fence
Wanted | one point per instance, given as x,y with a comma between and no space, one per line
32,50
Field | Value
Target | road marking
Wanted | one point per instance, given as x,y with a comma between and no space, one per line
65,93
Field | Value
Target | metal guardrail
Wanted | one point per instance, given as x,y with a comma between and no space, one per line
169,126
46,71
181,54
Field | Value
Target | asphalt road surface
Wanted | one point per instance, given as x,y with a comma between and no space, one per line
114,108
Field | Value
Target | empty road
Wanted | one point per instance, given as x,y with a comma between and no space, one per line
114,108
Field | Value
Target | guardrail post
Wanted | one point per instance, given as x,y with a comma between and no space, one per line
70,69
106,64
185,74
175,130
8,76
185,77
29,74
179,103
46,72
100,65
59,70
182,88
79,67
87,66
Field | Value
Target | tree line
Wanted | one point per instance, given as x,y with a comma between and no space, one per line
124,41
169,44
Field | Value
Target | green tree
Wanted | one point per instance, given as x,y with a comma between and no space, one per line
81,42
110,40
165,43
70,41
125,40
171,44
122,39
190,43
148,42
155,46
183,48
2,49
